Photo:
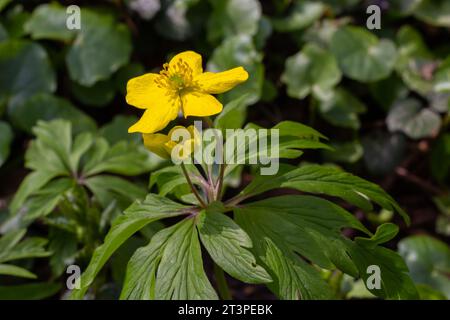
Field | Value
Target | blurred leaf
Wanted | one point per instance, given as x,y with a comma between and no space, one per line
233,115
174,23
302,15
414,61
48,21
428,293
312,70
32,291
416,122
383,152
388,90
126,73
428,260
434,12
10,270
101,47
346,152
361,55
239,51
3,33
47,107
15,20
98,95
117,130
342,109
4,3
233,17
26,70
440,169
442,77
6,137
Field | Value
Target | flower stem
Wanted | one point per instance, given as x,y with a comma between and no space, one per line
220,181
222,285
194,190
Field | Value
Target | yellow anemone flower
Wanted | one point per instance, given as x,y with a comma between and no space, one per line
181,85
184,141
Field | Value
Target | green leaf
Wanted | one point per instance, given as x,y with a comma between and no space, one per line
312,227
117,130
171,265
341,109
237,51
122,158
414,59
232,17
416,122
26,70
345,152
48,21
101,47
11,248
361,55
329,181
312,70
108,188
63,246
383,152
428,260
442,79
4,3
228,246
302,15
441,150
138,215
233,115
434,12
395,281
295,279
98,95
6,137
32,291
10,270
47,107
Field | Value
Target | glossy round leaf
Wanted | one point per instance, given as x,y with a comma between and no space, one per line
361,55
312,70
101,47
416,122
25,70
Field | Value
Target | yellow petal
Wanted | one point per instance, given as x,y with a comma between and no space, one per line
193,60
158,116
199,104
143,92
222,81
155,142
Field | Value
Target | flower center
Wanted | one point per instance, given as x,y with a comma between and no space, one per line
176,78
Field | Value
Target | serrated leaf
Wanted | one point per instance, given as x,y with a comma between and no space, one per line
329,181
138,215
361,55
228,246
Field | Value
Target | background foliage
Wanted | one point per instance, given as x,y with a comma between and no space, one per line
381,96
